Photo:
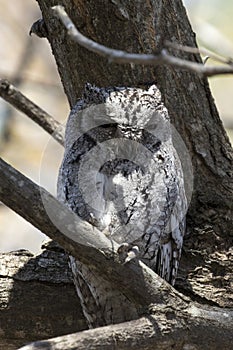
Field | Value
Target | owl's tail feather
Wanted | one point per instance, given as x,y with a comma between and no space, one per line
167,262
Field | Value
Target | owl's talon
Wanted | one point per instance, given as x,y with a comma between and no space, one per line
124,248
133,253
127,252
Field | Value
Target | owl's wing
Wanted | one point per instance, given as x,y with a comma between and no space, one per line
163,244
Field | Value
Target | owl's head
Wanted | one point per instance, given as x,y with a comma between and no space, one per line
133,107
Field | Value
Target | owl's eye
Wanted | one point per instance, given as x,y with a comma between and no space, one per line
108,126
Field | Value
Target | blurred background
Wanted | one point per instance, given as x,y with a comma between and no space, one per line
28,63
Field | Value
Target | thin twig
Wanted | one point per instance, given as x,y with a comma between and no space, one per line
118,56
12,95
200,50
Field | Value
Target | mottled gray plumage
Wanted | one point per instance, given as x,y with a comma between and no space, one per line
121,173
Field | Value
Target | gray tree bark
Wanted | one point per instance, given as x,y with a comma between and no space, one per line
207,261
32,287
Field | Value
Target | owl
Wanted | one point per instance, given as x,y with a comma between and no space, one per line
122,174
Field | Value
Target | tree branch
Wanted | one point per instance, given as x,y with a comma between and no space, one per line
197,50
192,330
118,56
79,238
47,274
31,306
171,312
12,95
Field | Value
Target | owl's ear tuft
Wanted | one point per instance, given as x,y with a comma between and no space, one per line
93,94
153,90
90,89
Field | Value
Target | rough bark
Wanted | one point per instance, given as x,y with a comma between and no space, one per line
37,298
191,332
26,316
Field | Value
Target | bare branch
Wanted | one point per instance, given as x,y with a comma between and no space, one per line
12,95
200,50
79,238
118,56
193,329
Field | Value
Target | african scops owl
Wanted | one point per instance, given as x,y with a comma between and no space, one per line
121,173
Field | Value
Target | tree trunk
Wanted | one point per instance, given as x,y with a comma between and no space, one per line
142,27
